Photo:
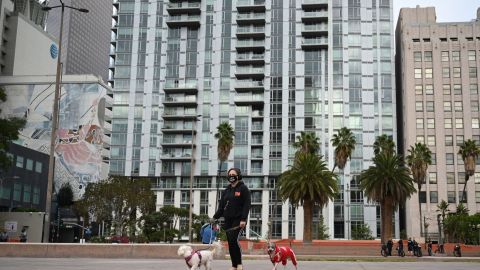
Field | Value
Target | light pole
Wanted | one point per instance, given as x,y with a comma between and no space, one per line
164,230
51,160
192,160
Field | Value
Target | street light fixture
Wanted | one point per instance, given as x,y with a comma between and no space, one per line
190,233
51,160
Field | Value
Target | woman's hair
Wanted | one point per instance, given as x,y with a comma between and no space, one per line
237,170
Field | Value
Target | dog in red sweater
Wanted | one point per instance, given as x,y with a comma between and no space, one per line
280,254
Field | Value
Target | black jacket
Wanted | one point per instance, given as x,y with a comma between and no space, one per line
234,203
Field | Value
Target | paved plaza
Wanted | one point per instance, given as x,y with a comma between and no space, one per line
139,264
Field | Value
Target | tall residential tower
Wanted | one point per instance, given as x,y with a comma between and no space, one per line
271,68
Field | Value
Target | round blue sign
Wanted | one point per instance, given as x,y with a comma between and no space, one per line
53,51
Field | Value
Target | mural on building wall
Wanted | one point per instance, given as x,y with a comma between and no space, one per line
79,145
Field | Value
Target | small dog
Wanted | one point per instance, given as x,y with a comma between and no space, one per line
280,254
195,259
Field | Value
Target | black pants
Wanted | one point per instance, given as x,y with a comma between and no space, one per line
233,244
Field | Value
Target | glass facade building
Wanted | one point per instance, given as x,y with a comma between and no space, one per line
271,68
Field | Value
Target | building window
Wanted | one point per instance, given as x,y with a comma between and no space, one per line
36,195
471,56
422,196
450,178
419,123
446,89
448,122
418,73
472,72
474,105
459,139
473,89
457,73
430,106
429,89
458,123
446,72
449,158
451,197
428,56
19,162
448,140
417,56
477,177
418,89
457,89
29,165
428,73
431,140
419,106
475,123
431,123
420,139
445,56
17,189
447,106
432,177
456,56
27,193
433,197
434,159
458,106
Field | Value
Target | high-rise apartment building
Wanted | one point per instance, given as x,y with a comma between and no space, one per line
86,36
271,68
438,81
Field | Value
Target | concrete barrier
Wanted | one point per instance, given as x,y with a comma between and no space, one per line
164,251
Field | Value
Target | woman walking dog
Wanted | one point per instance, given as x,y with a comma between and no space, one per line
234,207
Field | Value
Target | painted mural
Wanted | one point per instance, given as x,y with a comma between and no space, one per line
79,143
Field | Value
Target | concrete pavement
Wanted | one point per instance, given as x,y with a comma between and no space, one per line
17,263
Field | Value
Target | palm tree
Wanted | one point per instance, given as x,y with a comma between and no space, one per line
387,182
385,144
418,159
307,142
224,136
443,209
344,143
469,152
307,182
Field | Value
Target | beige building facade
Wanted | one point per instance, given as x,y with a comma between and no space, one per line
437,82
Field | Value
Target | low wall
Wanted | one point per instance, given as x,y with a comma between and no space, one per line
164,251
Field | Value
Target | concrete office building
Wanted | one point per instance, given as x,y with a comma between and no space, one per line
86,36
271,68
437,67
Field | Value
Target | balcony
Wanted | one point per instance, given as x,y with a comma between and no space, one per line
250,18
250,5
178,114
249,99
250,45
184,8
257,113
250,59
192,21
178,142
251,32
176,86
315,16
315,30
250,72
249,86
175,101
257,140
257,127
314,4
257,154
314,43
176,156
177,128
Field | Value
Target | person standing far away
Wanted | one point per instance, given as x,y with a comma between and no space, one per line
234,207
23,235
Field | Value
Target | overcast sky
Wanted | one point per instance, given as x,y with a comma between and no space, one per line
446,10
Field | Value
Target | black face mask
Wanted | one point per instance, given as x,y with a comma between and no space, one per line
232,178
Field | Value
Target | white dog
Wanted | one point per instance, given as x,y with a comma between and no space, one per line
195,259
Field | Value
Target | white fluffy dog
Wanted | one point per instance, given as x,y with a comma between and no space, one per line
195,259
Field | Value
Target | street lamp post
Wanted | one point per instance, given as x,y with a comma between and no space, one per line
51,160
192,160
164,230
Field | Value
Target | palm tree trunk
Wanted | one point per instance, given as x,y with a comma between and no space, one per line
420,209
464,186
387,219
334,166
382,222
307,220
